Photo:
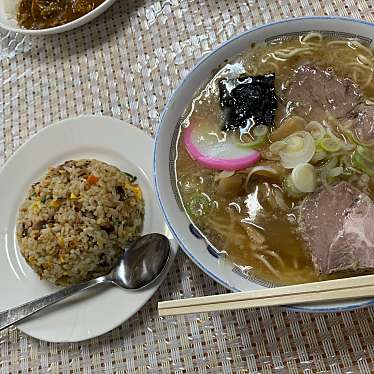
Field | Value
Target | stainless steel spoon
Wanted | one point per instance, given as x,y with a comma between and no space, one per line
141,263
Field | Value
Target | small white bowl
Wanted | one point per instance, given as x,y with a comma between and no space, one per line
188,236
8,11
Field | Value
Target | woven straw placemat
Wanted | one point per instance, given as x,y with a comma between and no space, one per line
125,64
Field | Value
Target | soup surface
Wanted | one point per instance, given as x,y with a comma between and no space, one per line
254,212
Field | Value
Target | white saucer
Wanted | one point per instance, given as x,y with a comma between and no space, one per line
95,312
8,19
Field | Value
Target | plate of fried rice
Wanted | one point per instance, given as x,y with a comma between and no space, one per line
72,197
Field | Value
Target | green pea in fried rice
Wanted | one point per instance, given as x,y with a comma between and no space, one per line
76,221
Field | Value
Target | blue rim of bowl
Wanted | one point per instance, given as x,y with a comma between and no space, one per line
171,98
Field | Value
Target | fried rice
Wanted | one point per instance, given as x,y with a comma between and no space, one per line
76,221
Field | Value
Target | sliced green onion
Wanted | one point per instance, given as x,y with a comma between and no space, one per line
261,170
199,204
294,143
257,143
304,178
363,159
349,134
316,129
366,153
358,162
343,144
224,174
325,170
362,164
276,147
334,173
300,148
352,137
287,127
290,188
331,163
319,155
330,145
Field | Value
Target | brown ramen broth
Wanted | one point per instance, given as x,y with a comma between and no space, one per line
252,215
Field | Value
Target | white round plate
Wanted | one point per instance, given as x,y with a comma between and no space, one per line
189,238
94,312
8,12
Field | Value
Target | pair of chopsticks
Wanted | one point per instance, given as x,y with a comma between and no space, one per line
324,291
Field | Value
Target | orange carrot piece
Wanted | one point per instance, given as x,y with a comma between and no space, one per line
92,179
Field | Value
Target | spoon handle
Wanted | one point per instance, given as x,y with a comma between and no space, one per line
11,316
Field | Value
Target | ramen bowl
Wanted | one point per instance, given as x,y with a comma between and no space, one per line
195,245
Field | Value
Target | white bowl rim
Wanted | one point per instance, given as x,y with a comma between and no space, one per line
189,253
66,26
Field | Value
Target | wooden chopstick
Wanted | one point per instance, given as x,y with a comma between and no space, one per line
325,291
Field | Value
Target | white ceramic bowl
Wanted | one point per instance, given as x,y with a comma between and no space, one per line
189,238
8,11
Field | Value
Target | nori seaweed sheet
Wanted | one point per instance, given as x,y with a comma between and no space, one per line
248,98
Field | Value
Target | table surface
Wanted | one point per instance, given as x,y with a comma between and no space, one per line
126,64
